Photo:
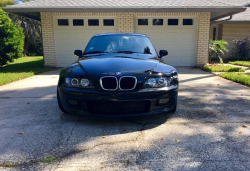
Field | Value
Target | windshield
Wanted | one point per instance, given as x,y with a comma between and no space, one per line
120,44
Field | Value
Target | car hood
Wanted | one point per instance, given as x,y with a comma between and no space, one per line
111,65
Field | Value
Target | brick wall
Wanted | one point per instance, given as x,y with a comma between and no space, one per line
203,39
48,39
234,32
125,25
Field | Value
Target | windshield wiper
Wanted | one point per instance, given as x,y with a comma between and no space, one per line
130,52
93,52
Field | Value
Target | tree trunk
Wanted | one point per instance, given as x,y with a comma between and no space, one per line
26,45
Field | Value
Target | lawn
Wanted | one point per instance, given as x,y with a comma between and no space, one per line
21,68
222,68
242,63
237,77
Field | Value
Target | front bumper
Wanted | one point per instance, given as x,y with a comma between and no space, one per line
78,101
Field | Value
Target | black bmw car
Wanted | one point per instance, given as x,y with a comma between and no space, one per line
118,74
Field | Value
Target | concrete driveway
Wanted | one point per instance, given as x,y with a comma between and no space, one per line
205,133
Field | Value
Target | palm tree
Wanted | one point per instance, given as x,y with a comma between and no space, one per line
218,48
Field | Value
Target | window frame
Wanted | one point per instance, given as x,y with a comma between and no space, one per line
77,25
94,19
62,19
188,24
158,19
108,19
178,23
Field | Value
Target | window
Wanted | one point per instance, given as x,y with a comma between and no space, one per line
93,22
187,22
214,33
173,22
116,43
108,22
63,22
142,22
78,22
158,22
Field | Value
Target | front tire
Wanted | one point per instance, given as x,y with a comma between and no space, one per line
60,103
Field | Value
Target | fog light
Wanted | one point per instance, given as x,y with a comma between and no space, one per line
73,102
163,101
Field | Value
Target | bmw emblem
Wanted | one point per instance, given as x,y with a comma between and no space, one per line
118,73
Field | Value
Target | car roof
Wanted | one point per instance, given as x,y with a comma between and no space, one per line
121,34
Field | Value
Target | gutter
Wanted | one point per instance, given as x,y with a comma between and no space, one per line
221,21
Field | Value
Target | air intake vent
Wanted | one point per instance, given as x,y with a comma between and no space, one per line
118,108
109,83
128,83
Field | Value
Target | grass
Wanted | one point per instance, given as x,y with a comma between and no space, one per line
21,68
222,68
238,77
8,165
49,159
242,63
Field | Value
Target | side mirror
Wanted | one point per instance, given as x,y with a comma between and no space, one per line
78,53
163,53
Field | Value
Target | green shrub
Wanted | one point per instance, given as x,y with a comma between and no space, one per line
222,68
241,49
11,39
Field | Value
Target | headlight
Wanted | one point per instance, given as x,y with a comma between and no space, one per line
78,82
84,82
158,82
151,82
74,82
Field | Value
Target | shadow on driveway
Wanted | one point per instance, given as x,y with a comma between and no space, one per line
202,135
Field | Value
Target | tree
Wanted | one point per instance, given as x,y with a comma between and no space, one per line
11,39
4,3
31,28
218,48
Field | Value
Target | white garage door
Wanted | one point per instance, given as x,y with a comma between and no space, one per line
178,35
75,32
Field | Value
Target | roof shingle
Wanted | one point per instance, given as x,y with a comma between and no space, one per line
236,2
244,16
126,4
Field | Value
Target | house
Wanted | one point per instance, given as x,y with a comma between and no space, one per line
180,26
237,28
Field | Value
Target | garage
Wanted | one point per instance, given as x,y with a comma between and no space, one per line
75,32
178,35
181,28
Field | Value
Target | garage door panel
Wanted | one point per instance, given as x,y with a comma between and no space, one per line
172,36
180,41
156,35
188,36
70,38
65,61
174,60
63,47
63,35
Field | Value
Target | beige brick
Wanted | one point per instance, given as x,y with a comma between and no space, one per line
203,38
233,32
